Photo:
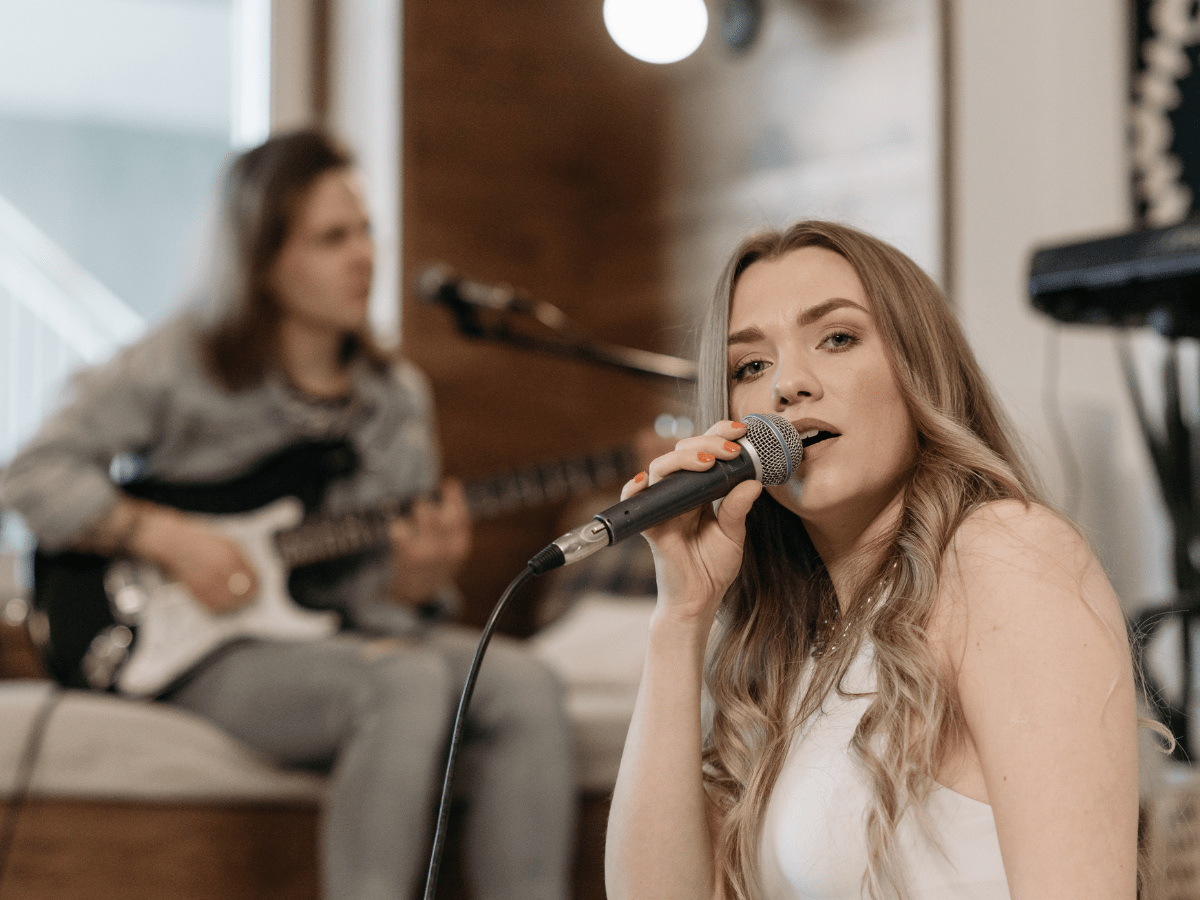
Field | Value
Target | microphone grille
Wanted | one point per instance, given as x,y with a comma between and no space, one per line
777,443
430,281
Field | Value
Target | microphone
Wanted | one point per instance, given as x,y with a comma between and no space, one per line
490,311
770,453
438,284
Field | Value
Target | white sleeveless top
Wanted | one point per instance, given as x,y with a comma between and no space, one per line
815,838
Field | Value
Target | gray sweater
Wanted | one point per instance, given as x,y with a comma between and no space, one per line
154,402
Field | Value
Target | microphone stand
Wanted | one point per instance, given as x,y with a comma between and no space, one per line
1175,455
630,359
568,341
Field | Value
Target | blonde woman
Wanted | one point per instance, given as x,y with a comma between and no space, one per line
919,684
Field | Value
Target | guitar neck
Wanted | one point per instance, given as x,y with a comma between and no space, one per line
331,536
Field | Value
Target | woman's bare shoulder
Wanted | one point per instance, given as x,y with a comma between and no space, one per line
1044,681
1002,524
1018,541
1016,570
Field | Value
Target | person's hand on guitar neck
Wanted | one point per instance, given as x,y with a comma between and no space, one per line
429,546
210,565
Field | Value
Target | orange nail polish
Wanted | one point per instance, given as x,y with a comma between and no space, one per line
731,446
639,477
705,457
738,424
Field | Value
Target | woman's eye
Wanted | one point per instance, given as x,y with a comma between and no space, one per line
748,369
839,340
335,236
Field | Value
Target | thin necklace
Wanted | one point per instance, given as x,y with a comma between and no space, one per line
822,643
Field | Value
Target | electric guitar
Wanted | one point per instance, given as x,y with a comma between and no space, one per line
121,624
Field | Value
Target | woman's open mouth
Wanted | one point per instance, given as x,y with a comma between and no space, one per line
813,436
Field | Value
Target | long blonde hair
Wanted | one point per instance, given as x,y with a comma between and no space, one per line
771,620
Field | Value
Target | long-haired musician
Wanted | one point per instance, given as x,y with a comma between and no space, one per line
280,359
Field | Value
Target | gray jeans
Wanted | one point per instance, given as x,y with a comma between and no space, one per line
376,712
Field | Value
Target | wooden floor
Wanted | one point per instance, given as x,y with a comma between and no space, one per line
71,850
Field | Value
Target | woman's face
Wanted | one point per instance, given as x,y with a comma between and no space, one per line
804,343
322,275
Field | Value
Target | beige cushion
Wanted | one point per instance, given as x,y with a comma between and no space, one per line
103,747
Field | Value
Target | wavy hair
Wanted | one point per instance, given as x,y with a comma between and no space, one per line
772,618
260,196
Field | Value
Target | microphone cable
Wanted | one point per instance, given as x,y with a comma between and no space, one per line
770,451
549,558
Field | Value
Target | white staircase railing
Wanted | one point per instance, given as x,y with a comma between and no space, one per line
54,317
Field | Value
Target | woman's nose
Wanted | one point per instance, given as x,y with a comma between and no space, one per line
793,385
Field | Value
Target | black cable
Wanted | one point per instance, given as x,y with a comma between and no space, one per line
439,836
23,780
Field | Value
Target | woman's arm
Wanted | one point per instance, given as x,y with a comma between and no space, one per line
659,843
1046,684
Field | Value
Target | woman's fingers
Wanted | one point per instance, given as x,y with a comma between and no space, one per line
634,484
698,553
698,453
732,511
694,454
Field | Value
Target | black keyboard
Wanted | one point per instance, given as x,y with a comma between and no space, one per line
1145,278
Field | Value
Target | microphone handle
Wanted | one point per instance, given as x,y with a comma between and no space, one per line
674,495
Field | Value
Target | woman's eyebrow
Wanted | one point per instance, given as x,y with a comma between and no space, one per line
745,336
815,313
810,315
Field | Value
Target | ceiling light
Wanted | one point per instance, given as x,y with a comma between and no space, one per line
656,31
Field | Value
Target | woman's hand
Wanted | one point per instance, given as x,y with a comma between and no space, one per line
659,839
430,545
698,554
210,565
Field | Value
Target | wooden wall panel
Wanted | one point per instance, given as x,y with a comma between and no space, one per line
533,155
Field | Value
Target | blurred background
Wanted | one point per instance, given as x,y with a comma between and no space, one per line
518,144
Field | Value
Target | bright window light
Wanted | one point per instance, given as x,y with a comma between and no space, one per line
656,31
251,72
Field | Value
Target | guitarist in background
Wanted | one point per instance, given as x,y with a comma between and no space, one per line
281,356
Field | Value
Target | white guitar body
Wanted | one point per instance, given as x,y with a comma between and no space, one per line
158,631
174,631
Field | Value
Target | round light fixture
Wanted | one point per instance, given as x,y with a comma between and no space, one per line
656,31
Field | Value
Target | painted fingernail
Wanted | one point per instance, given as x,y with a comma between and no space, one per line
737,424
639,477
705,457
731,447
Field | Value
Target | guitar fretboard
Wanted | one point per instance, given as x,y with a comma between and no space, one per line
330,536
